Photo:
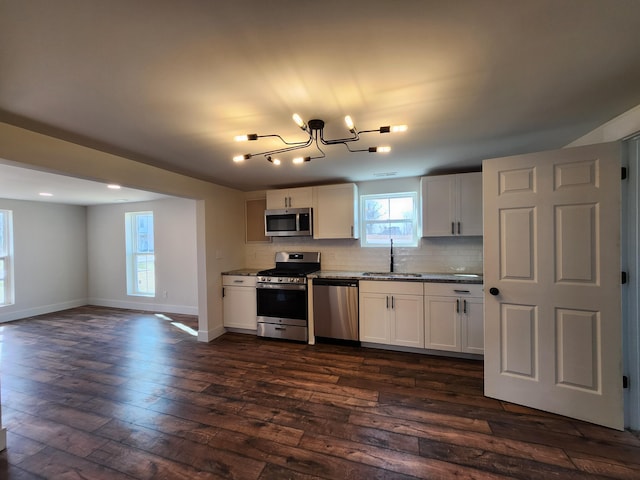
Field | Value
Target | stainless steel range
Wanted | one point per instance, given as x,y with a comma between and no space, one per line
282,296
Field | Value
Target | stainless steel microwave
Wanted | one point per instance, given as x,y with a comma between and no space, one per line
288,222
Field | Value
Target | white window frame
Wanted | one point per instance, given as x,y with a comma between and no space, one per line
6,258
413,222
137,255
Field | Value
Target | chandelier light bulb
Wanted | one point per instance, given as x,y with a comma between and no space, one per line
244,138
349,121
240,158
379,149
399,128
298,160
298,119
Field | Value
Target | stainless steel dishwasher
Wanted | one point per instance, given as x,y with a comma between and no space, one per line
335,310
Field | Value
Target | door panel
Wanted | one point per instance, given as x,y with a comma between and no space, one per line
518,341
518,244
553,334
575,243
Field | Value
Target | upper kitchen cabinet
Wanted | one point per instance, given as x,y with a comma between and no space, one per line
452,205
336,211
290,198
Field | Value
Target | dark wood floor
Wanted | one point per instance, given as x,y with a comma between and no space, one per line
96,393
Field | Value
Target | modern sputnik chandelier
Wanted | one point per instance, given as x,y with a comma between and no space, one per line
315,129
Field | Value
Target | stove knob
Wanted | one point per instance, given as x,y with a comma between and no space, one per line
280,279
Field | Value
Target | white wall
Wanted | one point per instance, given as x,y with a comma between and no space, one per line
176,263
434,255
50,258
219,211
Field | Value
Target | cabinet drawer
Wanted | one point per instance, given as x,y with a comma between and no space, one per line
391,287
453,289
239,280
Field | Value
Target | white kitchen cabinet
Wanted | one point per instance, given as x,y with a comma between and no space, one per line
239,301
335,211
453,317
452,205
392,313
473,326
290,198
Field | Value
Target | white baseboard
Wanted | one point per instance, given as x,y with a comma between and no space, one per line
147,306
15,314
208,335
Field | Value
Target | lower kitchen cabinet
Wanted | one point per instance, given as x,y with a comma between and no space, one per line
239,301
454,318
473,326
392,313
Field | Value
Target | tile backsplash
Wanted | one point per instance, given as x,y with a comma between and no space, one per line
433,255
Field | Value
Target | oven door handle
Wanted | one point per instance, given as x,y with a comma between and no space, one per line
280,286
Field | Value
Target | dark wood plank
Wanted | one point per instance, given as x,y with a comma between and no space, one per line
95,392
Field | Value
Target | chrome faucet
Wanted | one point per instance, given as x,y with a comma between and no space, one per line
391,257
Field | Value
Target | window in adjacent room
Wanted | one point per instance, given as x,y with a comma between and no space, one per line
388,217
6,258
141,278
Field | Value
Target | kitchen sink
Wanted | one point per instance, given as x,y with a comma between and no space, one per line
392,274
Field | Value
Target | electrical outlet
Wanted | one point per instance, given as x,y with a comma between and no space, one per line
165,294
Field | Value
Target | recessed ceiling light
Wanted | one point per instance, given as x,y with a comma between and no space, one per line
46,194
113,186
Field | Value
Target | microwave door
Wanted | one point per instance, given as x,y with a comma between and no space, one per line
280,225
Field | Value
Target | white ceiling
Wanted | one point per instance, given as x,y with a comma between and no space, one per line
26,184
171,83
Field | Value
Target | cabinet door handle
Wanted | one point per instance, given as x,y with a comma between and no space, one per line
453,231
238,281
387,301
393,303
351,231
280,328
464,306
458,228
457,306
222,292
462,291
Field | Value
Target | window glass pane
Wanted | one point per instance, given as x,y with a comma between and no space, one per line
6,262
144,234
388,217
2,282
145,273
401,208
376,209
3,246
140,253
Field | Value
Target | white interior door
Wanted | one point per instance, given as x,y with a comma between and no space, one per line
553,330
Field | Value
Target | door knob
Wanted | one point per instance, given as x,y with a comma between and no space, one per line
494,291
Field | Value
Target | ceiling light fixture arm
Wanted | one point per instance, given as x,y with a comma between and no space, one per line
315,129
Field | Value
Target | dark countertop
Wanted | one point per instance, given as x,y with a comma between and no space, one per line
378,276
243,271
399,276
